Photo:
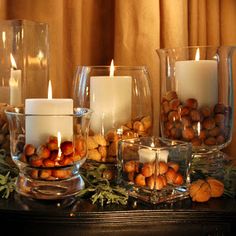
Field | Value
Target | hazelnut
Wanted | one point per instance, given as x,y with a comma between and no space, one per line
196,142
34,174
195,115
220,139
67,148
130,166
61,174
203,134
23,158
52,144
35,161
91,143
131,176
209,123
174,104
29,149
48,163
192,103
44,174
200,191
173,165
170,176
93,154
214,132
170,95
184,111
43,152
186,121
179,180
163,167
219,108
113,149
103,151
147,169
217,187
163,177
140,180
155,182
112,136
206,111
173,116
175,133
100,140
188,133
219,118
138,126
147,122
210,141
108,174
165,107
66,161
80,146
169,125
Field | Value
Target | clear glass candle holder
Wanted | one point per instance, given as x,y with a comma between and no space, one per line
197,97
121,104
49,162
155,169
24,53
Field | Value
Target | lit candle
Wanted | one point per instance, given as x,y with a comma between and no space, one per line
40,127
197,79
110,100
149,155
15,84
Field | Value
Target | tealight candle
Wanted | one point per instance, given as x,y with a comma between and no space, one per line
149,155
197,79
43,123
110,100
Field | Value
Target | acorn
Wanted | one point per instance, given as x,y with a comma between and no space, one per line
173,165
67,148
140,180
43,152
170,176
147,169
29,149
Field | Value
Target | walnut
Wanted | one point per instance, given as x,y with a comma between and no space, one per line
200,191
217,187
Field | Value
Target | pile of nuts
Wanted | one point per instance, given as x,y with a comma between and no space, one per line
4,130
153,175
48,158
104,148
200,126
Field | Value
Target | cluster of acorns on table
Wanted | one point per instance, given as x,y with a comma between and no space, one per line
48,158
153,175
105,148
181,121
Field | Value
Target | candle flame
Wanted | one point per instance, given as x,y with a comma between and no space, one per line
197,56
49,89
13,62
59,143
112,68
198,128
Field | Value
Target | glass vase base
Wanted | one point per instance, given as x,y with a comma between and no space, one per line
49,190
210,164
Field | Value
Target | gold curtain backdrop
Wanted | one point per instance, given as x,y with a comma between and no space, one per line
92,32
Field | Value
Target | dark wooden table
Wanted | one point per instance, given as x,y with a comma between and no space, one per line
80,217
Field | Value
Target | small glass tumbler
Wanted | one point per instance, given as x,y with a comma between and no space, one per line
121,104
197,98
155,169
49,161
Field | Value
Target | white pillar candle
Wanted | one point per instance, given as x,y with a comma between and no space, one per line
15,84
149,155
38,128
110,100
197,79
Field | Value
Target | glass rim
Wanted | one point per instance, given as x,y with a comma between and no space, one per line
169,143
142,67
195,47
78,112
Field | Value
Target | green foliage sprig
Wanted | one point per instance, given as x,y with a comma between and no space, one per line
8,175
100,189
